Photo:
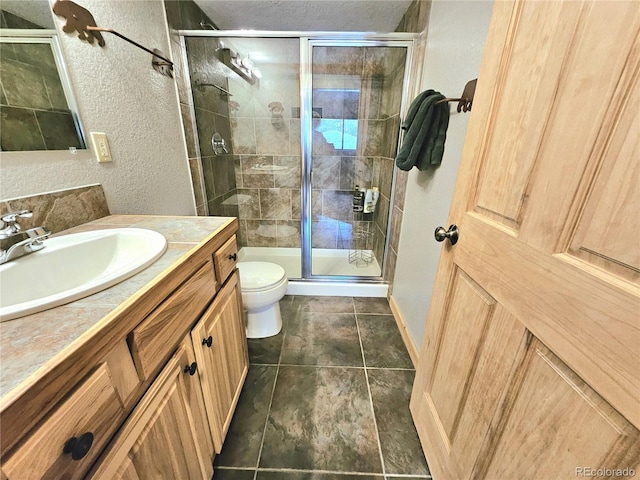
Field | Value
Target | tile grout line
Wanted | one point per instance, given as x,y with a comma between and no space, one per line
273,391
373,413
334,472
354,367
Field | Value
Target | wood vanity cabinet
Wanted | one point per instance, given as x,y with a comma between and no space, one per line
180,424
220,345
156,388
163,437
190,403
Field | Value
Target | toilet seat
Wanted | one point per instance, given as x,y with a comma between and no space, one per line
260,276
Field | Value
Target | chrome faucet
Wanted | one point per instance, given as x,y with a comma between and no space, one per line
14,242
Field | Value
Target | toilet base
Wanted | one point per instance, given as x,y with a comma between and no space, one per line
264,322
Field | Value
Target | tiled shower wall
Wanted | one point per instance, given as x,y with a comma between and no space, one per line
185,14
212,116
205,110
416,19
268,143
380,71
263,231
266,140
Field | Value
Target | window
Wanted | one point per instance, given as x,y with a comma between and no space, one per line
339,118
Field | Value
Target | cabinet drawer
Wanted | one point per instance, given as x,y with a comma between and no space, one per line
93,409
153,341
225,259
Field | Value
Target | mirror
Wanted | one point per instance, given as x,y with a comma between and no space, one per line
37,107
26,14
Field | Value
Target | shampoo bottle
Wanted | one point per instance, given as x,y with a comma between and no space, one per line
371,200
358,200
368,201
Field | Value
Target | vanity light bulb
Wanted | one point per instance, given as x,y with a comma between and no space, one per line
247,63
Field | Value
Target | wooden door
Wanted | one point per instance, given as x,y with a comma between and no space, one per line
163,437
530,366
220,344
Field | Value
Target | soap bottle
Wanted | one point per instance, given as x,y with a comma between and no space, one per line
358,199
372,200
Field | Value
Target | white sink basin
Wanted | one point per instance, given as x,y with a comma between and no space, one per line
75,266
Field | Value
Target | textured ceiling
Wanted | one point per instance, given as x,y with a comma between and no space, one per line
306,15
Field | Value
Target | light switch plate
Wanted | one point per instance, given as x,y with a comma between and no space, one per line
101,144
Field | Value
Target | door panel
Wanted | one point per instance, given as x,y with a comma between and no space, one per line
607,223
586,110
529,367
502,198
578,428
471,309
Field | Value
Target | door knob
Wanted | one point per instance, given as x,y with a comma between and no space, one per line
452,234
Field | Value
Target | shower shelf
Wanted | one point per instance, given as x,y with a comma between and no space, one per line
359,241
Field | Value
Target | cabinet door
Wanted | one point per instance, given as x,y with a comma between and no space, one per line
220,344
162,437
195,400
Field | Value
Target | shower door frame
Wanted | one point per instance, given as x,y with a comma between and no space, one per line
307,41
306,143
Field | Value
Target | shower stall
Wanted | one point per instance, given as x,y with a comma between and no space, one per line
297,136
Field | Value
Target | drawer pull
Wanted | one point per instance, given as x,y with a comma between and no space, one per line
80,446
191,369
208,341
233,256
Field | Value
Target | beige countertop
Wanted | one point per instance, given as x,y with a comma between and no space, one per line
28,343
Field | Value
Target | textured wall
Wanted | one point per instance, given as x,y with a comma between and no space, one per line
457,31
120,94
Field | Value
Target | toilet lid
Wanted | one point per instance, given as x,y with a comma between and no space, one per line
259,275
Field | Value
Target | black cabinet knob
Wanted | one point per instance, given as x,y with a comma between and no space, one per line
233,256
191,369
78,447
208,341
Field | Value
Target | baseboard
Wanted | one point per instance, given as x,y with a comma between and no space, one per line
402,326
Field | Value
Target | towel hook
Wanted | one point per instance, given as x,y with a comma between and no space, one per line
466,100
80,20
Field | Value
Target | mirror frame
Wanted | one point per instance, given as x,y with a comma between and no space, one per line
46,36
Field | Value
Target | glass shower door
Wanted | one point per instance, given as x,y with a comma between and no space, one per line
353,106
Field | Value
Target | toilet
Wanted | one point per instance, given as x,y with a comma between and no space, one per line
263,285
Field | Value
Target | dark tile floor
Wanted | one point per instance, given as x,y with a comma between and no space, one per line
326,399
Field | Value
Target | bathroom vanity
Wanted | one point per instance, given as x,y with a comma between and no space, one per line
149,390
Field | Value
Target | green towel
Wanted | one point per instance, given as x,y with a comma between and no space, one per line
426,125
